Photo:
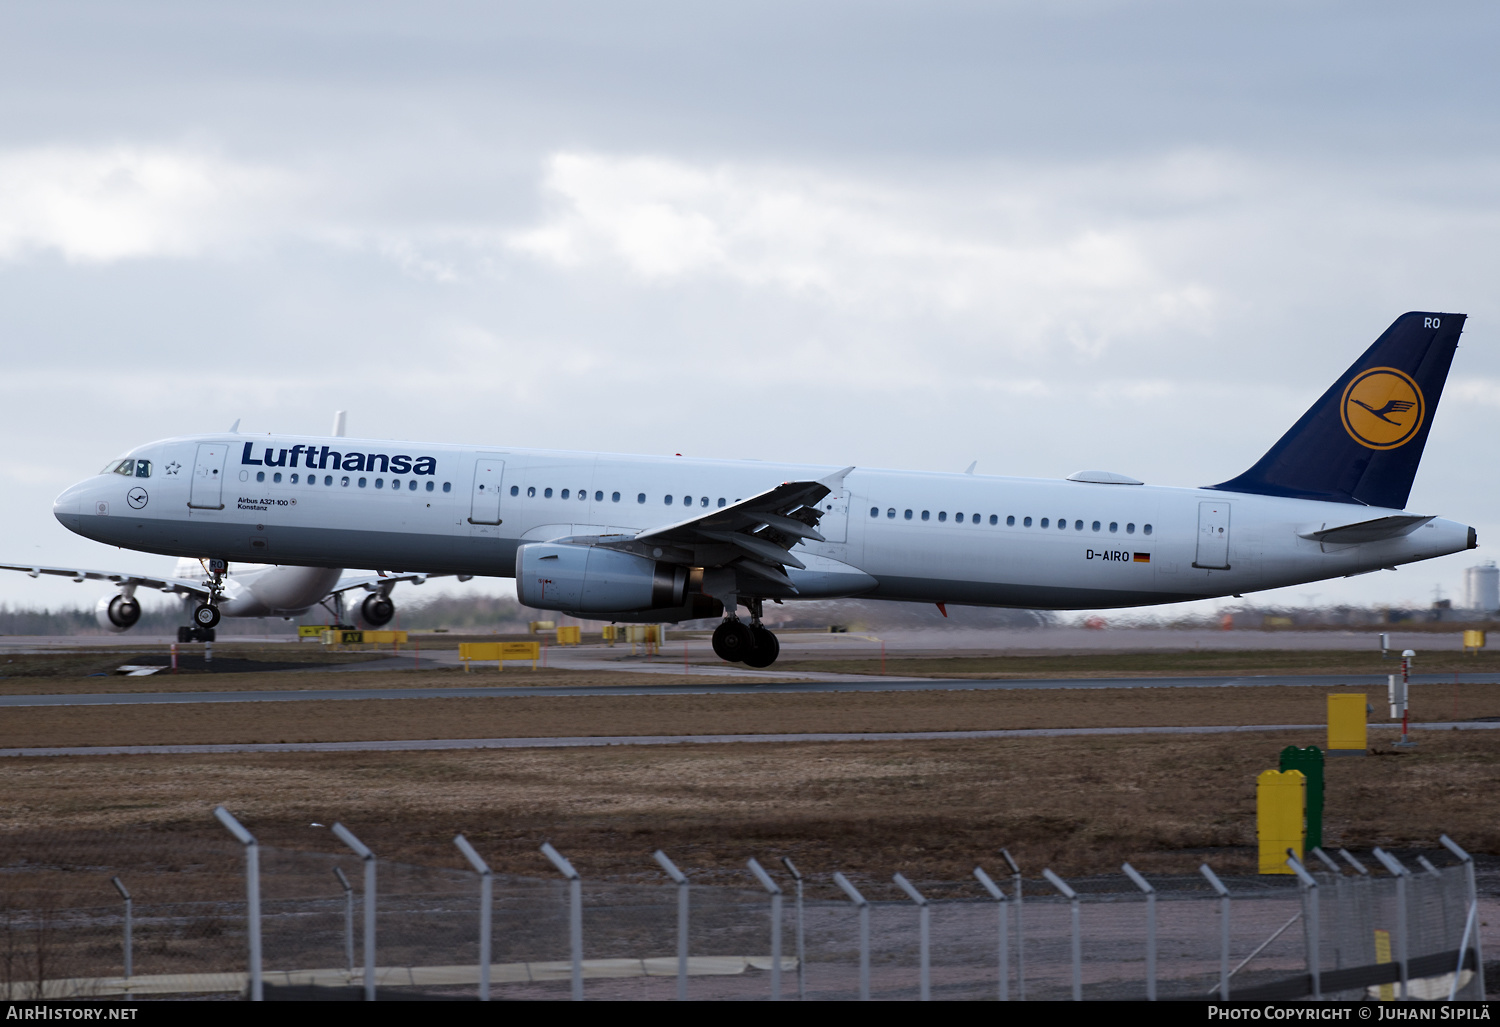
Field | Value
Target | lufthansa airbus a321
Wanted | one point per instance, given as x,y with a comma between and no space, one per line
635,538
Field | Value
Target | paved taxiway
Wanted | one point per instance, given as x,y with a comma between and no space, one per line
863,685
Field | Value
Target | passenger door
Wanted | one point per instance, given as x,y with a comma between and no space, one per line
207,492
1213,536
484,497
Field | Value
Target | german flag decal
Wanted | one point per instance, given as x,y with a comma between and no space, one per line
1142,558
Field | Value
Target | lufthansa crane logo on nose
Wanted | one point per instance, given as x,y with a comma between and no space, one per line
1383,408
137,497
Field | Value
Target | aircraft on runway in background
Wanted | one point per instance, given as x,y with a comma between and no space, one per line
637,538
252,591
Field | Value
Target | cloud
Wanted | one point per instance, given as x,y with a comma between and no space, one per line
127,202
999,256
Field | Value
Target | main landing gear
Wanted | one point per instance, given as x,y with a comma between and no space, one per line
750,644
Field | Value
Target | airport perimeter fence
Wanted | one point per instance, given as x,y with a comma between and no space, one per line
183,915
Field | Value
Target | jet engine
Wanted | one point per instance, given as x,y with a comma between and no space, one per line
591,579
377,610
118,612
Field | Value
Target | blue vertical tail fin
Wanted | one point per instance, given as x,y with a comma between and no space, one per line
1362,441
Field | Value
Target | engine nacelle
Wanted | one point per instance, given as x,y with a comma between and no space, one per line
591,579
377,610
118,612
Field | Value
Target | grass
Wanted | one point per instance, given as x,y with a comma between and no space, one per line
929,809
1165,663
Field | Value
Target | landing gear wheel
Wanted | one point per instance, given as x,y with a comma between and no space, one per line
733,641
206,616
766,648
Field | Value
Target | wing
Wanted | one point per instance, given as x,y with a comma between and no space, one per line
383,582
755,535
180,586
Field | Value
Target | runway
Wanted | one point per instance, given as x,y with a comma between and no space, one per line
597,741
864,684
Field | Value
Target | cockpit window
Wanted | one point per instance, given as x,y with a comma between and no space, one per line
143,468
125,467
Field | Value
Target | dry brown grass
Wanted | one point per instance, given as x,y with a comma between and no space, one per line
1151,663
930,809
769,712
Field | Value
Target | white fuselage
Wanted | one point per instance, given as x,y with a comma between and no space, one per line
959,538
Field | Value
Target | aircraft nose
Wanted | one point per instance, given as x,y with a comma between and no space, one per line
69,507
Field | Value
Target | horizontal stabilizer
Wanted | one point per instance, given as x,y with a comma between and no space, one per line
1378,530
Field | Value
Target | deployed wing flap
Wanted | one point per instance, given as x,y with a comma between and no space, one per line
1377,530
760,530
374,582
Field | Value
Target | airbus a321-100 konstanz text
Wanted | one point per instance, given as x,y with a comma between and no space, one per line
635,538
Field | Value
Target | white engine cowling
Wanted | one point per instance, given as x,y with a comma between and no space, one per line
590,579
118,612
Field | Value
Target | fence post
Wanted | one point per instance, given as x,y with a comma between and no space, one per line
1218,886
775,891
864,932
125,894
1401,874
348,918
999,897
679,879
1015,872
1072,897
1338,901
924,934
252,895
801,938
575,915
1468,862
1309,923
486,907
1145,886
363,852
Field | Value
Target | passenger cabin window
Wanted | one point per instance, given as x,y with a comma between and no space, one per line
995,519
641,498
380,483
564,493
942,515
515,490
1027,522
908,515
614,497
599,497
925,515
447,486
583,495
667,500
874,511
546,493
1146,530
959,518
429,487
1062,524
722,502
1046,523
1077,525
1010,522
362,482
345,481
1130,529
276,477
294,479
260,475
687,500
1114,526
891,514
1096,525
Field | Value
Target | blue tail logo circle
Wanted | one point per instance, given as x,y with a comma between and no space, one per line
1383,408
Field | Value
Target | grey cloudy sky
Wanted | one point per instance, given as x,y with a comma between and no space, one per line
1142,237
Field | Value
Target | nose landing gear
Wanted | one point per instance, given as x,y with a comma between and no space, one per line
206,613
752,644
